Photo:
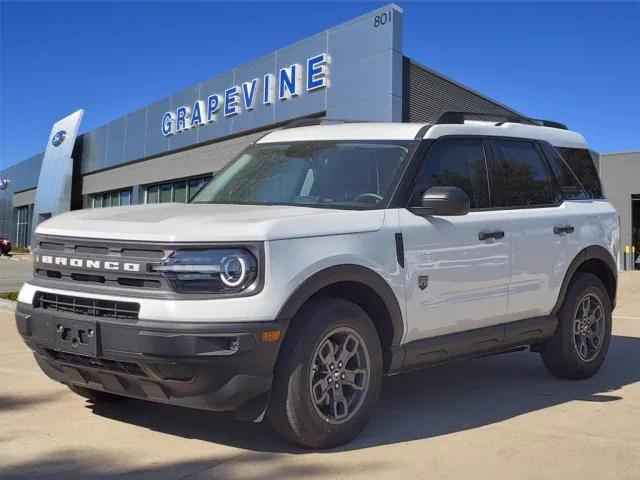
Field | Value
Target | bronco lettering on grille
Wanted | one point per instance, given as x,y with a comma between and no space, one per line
91,264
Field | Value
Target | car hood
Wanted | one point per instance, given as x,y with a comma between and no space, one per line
176,222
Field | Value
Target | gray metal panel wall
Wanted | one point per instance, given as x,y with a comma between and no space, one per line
429,94
365,83
186,163
620,176
23,176
28,197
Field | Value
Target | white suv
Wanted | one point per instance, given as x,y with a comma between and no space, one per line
326,257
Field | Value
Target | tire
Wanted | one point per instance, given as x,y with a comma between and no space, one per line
565,355
96,396
335,419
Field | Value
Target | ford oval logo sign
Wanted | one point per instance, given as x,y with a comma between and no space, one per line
58,138
4,183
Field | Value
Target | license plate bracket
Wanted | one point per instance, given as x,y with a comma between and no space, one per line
76,336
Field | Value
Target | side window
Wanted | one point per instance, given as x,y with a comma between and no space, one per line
456,163
580,161
524,176
569,184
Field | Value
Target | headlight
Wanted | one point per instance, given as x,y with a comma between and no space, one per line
209,271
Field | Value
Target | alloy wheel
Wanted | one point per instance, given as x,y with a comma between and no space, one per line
340,375
589,327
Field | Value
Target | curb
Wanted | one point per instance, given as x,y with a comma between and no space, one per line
17,257
7,306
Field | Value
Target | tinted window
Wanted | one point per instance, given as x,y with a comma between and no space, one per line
523,174
580,161
569,185
196,185
125,197
456,163
153,194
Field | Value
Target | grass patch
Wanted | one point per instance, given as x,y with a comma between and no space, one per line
20,250
9,296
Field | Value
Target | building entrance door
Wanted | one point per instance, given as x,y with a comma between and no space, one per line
635,229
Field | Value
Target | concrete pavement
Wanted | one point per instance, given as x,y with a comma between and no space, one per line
495,417
14,271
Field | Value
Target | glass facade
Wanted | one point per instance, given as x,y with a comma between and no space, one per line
180,191
23,225
110,199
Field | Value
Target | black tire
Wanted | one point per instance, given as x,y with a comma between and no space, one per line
96,396
293,412
561,356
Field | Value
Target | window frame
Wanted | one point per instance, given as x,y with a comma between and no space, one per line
171,184
106,198
23,220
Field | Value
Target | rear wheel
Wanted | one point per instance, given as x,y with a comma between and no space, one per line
329,375
580,344
96,396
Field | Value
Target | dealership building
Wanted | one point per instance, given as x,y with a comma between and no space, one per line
166,151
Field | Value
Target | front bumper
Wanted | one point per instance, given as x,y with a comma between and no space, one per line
211,366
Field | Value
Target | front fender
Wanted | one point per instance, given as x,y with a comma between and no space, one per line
346,273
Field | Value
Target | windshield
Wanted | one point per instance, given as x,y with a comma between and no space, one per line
328,174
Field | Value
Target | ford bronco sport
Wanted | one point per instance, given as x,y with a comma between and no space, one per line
326,257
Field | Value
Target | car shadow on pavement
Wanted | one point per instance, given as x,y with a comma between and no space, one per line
10,402
428,403
77,464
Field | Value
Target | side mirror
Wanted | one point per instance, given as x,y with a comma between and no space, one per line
442,201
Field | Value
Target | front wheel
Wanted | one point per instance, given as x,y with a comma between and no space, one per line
580,344
329,375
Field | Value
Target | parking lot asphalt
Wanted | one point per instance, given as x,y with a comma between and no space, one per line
495,417
14,271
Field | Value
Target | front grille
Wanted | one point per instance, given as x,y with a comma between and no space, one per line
101,279
83,262
102,363
90,307
81,246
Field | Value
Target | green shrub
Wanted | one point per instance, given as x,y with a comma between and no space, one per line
9,296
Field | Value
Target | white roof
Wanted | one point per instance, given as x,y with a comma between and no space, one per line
408,131
345,131
555,136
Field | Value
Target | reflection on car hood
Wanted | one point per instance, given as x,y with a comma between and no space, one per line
176,222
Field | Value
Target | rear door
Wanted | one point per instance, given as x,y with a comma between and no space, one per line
456,277
541,226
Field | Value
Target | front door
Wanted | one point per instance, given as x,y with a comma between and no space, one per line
457,267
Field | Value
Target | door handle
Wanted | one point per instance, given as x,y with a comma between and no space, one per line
565,229
488,235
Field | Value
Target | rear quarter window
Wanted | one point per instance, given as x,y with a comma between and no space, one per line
570,186
582,164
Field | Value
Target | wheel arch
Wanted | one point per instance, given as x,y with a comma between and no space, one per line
361,286
598,261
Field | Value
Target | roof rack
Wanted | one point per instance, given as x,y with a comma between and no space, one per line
550,123
460,117
310,121
499,118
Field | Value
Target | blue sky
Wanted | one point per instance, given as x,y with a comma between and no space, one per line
572,62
